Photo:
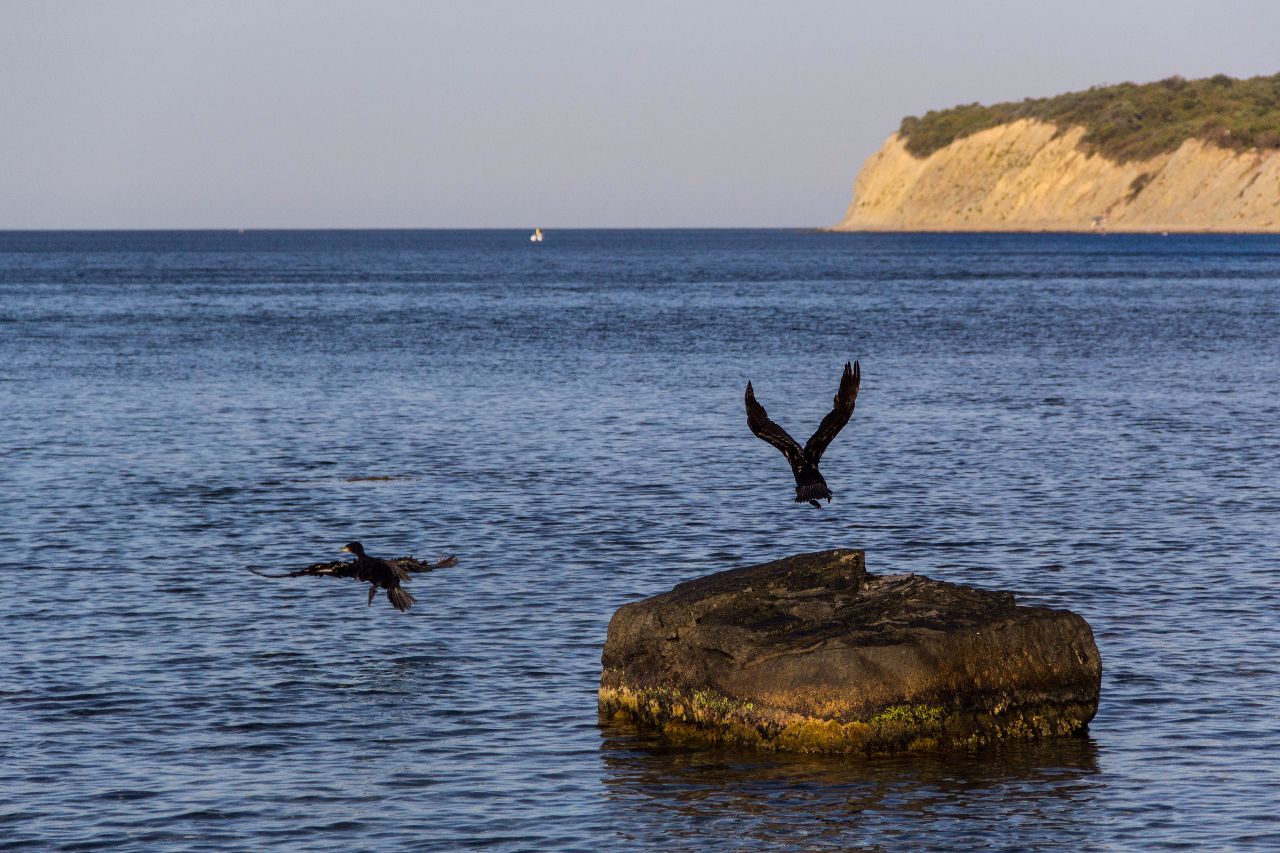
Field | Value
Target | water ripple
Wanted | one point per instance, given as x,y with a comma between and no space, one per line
1087,422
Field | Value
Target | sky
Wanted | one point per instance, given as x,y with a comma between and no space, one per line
482,114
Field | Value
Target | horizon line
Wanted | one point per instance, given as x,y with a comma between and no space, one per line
521,228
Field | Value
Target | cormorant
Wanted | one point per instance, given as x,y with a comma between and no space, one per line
379,573
804,461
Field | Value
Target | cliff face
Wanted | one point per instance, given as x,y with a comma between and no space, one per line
1021,177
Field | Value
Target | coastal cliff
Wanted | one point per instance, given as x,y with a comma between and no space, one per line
1025,176
1158,157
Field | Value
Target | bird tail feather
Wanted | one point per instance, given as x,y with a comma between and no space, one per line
400,598
811,487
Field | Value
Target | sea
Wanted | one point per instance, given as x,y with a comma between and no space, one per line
1091,421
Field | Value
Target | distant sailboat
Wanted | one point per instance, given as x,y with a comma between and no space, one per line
536,236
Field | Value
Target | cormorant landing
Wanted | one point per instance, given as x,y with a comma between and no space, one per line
380,574
810,487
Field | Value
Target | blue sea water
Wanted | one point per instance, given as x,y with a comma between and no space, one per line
1089,421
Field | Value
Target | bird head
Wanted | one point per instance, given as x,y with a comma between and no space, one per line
353,548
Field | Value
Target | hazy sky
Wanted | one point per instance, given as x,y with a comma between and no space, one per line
495,114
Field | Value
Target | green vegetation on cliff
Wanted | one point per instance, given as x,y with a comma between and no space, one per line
1128,121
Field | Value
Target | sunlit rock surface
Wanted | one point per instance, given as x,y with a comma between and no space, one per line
812,654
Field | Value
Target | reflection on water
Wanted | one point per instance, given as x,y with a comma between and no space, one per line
1012,797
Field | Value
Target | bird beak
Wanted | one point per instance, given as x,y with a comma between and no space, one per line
344,550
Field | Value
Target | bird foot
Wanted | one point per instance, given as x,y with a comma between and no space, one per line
817,505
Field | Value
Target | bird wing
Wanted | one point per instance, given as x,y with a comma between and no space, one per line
409,564
334,569
759,423
841,411
401,566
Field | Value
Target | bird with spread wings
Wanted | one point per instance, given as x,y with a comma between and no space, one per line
810,486
379,573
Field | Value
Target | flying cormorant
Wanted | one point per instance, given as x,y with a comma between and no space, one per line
804,461
379,573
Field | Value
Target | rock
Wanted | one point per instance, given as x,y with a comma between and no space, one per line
812,654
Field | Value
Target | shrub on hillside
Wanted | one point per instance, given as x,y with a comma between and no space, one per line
1127,121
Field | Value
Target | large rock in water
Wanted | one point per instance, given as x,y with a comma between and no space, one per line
812,654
